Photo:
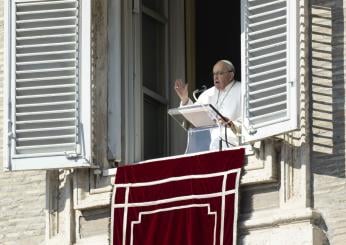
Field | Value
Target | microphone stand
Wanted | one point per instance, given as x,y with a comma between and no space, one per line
220,138
204,88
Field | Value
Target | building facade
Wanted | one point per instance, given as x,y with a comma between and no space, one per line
293,185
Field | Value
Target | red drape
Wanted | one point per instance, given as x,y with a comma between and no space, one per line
188,200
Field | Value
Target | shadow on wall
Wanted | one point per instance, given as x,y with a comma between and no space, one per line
328,90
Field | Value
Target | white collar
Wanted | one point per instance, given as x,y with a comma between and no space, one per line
228,86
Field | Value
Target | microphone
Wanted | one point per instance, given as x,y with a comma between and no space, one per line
199,91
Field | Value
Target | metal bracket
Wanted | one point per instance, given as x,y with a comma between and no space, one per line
251,130
71,155
11,135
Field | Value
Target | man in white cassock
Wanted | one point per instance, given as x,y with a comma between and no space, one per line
225,96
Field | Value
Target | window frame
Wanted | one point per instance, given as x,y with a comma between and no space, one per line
161,98
115,88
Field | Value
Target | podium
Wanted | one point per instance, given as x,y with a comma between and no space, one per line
201,122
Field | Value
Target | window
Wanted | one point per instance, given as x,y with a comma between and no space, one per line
154,77
269,68
47,77
47,84
269,58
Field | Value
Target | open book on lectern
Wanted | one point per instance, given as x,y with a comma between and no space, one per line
196,116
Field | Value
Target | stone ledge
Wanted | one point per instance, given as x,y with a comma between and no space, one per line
282,226
268,219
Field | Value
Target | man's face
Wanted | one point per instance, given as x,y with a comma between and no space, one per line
222,75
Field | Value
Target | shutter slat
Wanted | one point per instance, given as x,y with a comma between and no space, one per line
267,72
45,36
254,101
46,70
270,118
46,104
267,38
269,54
266,4
43,113
44,129
19,13
47,120
45,62
265,47
68,136
266,21
254,16
46,87
29,80
50,146
278,27
19,30
259,91
46,53
267,64
51,2
270,115
45,95
267,81
40,121
46,45
45,20
261,108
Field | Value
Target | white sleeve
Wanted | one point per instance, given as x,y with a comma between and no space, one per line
203,98
189,102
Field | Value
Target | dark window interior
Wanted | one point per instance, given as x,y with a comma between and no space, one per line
217,37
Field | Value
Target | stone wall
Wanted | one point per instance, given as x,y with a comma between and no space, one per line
22,194
22,200
328,116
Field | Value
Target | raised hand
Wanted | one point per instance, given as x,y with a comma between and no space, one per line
182,90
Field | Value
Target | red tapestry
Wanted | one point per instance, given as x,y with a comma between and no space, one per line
185,200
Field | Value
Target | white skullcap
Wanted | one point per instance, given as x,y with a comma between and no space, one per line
229,64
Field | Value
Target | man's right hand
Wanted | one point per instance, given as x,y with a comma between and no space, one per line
182,91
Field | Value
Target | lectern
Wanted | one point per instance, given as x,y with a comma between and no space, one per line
202,124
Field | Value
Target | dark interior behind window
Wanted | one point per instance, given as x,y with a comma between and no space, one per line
217,37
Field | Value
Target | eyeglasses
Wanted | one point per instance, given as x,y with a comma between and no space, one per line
219,73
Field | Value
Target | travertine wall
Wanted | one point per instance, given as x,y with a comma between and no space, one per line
328,116
22,194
